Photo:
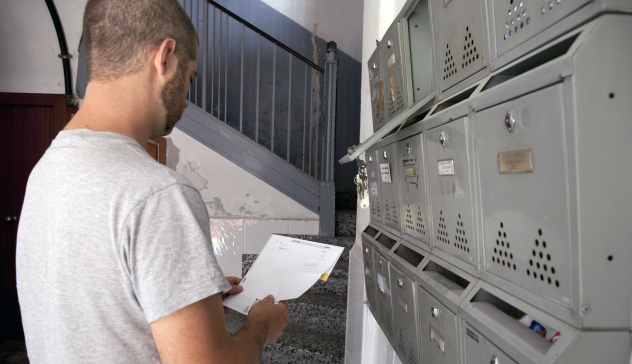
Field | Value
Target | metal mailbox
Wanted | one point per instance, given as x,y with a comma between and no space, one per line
523,164
460,40
499,328
441,288
404,261
450,191
376,83
373,171
384,307
369,268
389,185
422,72
412,186
396,97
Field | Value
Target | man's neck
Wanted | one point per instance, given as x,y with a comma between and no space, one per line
124,106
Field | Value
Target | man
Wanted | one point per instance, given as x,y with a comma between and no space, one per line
114,259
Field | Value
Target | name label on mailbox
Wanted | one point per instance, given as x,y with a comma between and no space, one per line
517,161
446,168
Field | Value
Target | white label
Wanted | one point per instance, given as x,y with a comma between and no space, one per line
391,61
446,168
373,188
381,282
385,168
402,303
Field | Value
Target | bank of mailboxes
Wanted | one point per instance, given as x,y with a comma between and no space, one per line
446,45
486,259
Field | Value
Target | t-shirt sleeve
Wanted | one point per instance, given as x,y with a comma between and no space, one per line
169,252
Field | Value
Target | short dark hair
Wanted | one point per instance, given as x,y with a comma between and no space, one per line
117,34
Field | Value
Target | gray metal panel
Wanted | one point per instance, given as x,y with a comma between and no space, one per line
451,196
377,90
389,191
515,23
412,185
460,40
384,307
526,215
404,317
420,50
374,182
369,274
495,313
250,156
395,95
602,93
478,349
440,341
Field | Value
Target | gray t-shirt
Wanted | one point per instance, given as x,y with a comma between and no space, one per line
109,240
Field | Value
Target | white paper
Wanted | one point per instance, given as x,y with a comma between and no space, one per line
385,168
286,268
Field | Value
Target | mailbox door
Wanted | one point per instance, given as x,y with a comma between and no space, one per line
450,190
384,306
404,317
389,179
373,170
478,350
438,327
369,274
412,185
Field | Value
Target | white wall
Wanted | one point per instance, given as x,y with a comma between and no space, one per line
378,16
244,210
29,44
337,20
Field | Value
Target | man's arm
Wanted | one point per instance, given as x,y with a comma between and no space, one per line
196,334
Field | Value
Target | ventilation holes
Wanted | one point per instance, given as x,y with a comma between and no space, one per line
387,212
517,18
540,264
460,241
442,232
449,67
502,254
420,228
415,222
470,54
375,206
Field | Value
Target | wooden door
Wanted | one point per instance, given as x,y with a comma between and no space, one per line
29,124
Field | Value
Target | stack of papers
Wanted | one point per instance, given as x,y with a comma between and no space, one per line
286,268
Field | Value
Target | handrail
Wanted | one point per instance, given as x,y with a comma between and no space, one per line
265,35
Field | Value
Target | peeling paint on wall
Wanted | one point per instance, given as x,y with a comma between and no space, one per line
229,191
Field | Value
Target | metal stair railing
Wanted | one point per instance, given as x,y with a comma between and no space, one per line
263,89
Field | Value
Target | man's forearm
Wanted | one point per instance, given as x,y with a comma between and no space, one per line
247,343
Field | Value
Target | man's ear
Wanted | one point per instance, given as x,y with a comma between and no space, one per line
165,60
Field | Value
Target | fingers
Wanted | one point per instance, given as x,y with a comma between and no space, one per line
235,289
268,299
233,280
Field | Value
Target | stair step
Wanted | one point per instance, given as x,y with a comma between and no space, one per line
305,347
334,285
297,345
345,223
322,313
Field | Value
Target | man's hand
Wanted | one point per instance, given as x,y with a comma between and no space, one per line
234,281
272,316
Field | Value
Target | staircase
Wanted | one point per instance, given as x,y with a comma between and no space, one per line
315,333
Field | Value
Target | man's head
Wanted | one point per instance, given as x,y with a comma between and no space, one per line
120,35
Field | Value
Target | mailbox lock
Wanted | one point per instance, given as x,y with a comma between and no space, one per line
408,149
366,250
435,312
380,264
400,282
510,121
494,360
374,66
385,155
442,139
370,159
388,44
